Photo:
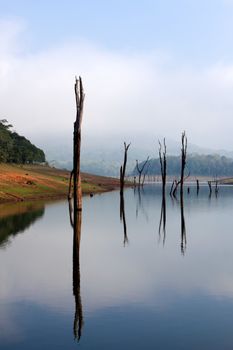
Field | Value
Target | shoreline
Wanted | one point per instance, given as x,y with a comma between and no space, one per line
24,183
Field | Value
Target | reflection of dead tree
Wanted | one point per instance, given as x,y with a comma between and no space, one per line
210,188
70,185
78,316
140,205
71,213
183,228
76,221
176,184
122,169
163,165
122,218
163,218
75,174
134,181
140,170
172,186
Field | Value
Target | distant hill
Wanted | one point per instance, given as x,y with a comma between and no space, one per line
17,149
104,155
202,165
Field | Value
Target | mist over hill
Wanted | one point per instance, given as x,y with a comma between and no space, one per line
104,155
197,165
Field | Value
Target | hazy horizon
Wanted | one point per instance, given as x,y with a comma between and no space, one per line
149,69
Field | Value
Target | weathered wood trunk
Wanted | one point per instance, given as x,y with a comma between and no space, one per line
183,161
123,168
163,165
140,170
79,96
198,186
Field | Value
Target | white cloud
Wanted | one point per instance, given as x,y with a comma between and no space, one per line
125,93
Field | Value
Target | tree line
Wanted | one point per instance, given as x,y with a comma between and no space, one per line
202,165
15,148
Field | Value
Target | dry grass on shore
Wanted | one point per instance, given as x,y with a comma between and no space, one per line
30,182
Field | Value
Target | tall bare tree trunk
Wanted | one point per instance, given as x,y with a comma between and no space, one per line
163,165
123,168
79,96
198,186
140,170
183,160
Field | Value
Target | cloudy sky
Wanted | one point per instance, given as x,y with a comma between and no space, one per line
152,67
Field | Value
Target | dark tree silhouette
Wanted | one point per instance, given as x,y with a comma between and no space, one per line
140,170
123,168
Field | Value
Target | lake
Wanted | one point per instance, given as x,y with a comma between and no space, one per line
130,282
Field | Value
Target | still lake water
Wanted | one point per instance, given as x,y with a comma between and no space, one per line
136,290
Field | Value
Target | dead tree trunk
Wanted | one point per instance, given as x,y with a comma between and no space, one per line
140,170
216,187
183,160
210,188
198,186
144,175
163,165
79,96
122,169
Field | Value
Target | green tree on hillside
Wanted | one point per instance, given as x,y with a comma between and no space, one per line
17,149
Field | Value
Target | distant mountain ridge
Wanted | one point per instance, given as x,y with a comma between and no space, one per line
197,165
104,156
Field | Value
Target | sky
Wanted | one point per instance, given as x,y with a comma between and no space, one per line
151,68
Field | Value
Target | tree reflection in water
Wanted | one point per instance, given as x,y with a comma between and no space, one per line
16,218
162,221
76,222
123,219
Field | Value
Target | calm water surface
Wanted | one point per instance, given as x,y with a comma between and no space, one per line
130,285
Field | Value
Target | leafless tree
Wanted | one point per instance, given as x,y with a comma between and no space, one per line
163,165
123,168
182,179
140,170
75,174
198,186
145,172
183,160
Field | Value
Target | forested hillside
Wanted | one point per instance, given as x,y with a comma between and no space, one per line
17,149
204,165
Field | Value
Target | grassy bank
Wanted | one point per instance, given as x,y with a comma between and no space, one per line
29,182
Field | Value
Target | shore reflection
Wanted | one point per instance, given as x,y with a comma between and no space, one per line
16,218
